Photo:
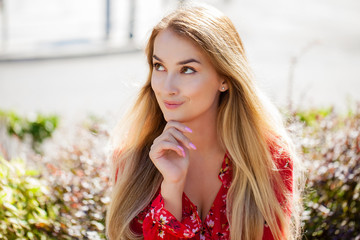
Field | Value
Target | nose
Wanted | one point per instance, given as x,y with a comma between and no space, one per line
171,84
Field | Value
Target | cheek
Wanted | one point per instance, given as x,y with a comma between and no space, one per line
154,84
204,91
205,97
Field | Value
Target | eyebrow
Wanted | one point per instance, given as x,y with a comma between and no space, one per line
181,62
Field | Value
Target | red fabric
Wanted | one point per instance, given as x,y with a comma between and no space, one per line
155,222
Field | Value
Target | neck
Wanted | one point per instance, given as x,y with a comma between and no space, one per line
204,136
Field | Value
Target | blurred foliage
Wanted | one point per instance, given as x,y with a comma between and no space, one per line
26,209
67,197
93,123
313,116
79,177
38,129
331,150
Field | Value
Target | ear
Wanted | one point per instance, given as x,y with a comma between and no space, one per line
223,86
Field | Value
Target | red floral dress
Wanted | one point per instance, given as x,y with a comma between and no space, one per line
155,222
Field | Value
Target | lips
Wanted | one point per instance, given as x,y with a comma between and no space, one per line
172,104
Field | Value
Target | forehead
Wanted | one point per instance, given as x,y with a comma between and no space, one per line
172,47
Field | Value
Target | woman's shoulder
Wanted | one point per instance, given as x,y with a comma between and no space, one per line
283,165
137,222
280,153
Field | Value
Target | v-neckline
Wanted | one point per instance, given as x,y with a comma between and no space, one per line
203,222
212,205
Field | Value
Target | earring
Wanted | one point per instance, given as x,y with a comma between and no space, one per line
223,88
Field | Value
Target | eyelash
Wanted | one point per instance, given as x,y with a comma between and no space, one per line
156,65
183,69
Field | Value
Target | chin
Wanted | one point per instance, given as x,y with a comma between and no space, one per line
176,118
168,119
172,117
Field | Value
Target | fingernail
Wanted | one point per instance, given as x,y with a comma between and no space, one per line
192,146
182,150
188,129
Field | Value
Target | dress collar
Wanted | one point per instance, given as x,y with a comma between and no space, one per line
225,174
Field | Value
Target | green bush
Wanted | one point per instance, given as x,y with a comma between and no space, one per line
313,116
38,129
331,148
78,175
80,188
26,209
67,197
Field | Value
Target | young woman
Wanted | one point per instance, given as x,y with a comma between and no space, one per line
206,155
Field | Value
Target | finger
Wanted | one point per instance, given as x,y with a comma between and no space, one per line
180,138
162,146
179,126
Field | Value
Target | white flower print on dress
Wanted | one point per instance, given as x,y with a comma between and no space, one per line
163,220
193,217
210,223
194,230
161,233
186,234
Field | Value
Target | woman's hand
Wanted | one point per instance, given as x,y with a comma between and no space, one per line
170,152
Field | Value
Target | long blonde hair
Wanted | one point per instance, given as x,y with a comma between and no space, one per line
248,123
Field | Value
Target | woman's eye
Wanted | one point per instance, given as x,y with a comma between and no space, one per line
159,67
187,70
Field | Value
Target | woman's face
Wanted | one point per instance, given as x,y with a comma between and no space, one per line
185,83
